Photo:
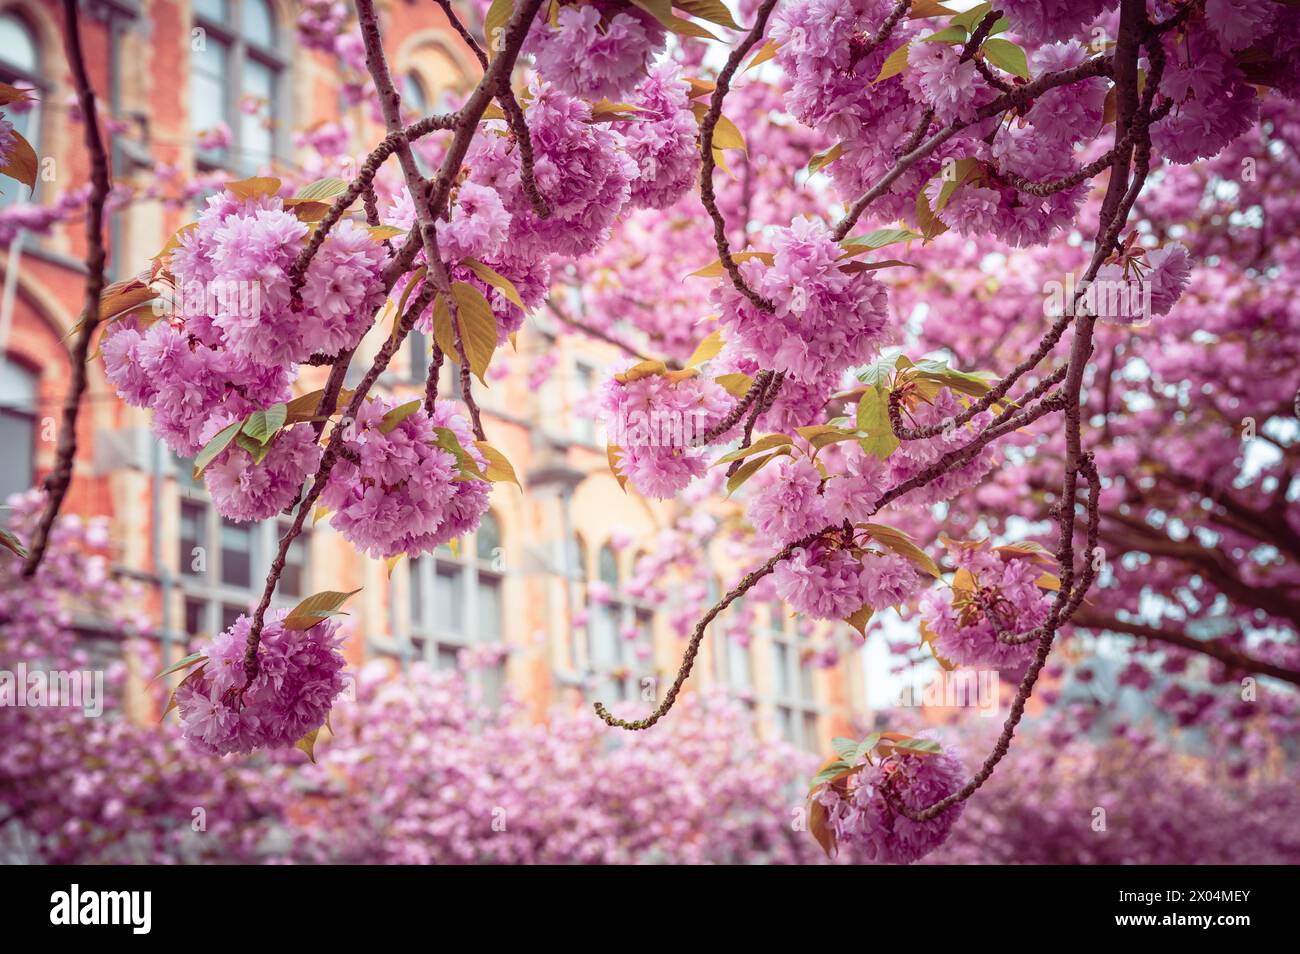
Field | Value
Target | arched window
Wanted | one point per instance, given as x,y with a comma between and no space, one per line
236,79
17,427
414,98
20,65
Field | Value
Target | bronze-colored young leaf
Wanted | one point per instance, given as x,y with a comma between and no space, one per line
22,162
315,608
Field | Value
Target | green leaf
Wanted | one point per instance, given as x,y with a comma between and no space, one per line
877,239
759,446
398,414
845,748
220,441
894,64
478,327
323,190
949,35
449,442
316,608
185,663
823,159
494,24
962,170
918,746
261,426
1006,55
255,448
873,421
832,771
499,469
971,18
865,746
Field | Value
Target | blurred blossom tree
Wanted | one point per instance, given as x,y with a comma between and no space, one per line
999,333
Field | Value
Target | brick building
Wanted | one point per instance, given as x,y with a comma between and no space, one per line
521,577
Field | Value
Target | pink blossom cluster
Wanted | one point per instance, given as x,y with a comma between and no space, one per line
824,319
244,489
662,139
193,390
581,170
1003,597
241,252
864,818
1046,20
658,422
912,457
320,22
597,50
827,580
300,674
394,490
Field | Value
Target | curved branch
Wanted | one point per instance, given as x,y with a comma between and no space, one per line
60,478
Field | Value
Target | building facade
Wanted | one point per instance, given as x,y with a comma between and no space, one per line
515,593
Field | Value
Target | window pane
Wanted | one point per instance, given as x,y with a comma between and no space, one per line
810,731
17,45
258,24
448,657
781,669
295,564
17,463
413,96
785,724
194,522
256,137
236,554
739,668
417,595
609,566
448,599
805,681
418,351
488,538
229,614
489,609
212,10
208,101
493,679
196,617
603,630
